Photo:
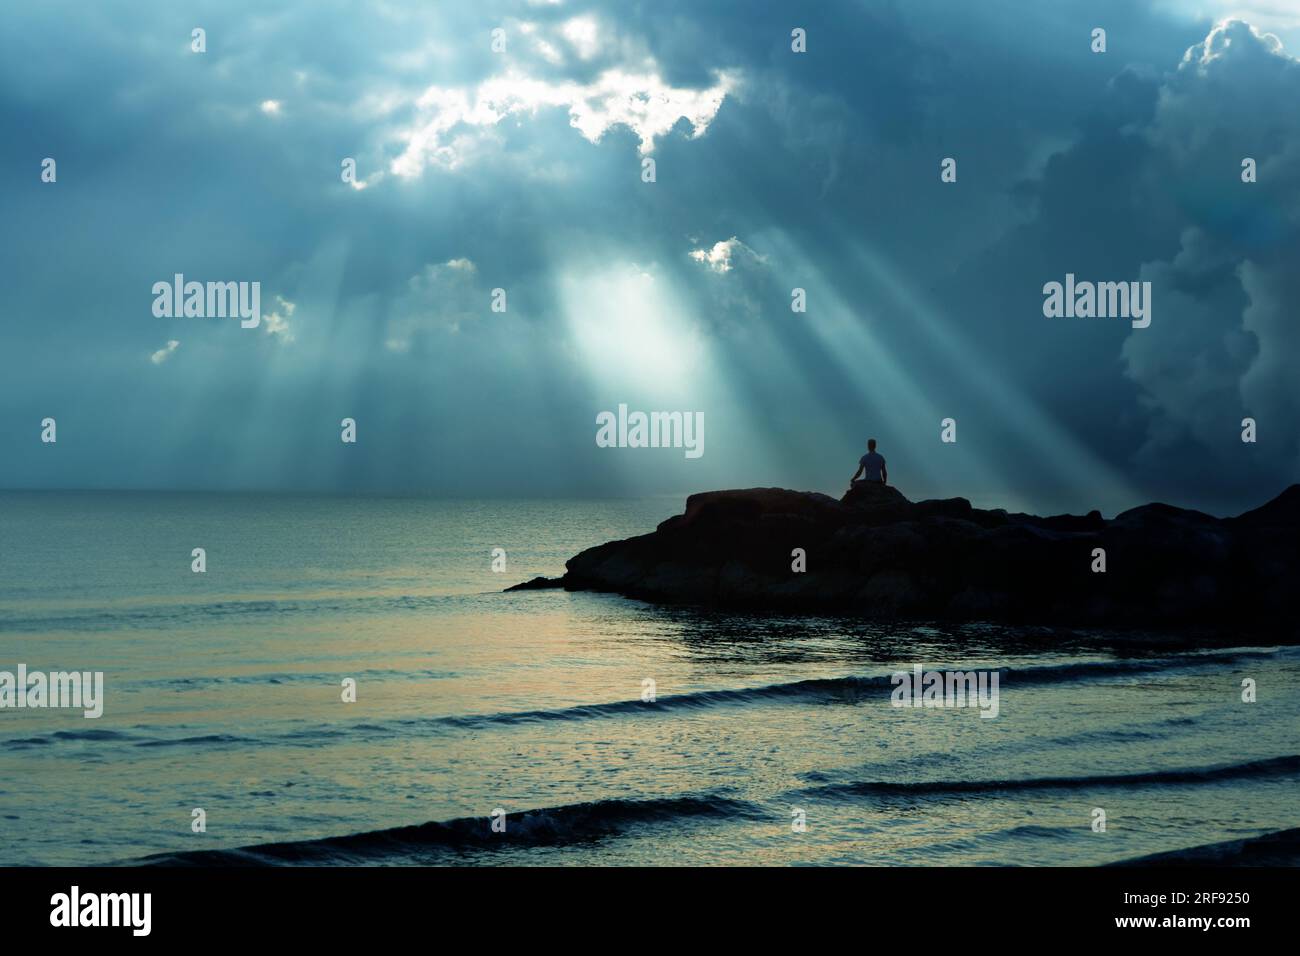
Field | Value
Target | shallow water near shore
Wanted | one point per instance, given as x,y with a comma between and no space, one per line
223,692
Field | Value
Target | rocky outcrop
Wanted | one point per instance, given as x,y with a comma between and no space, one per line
876,554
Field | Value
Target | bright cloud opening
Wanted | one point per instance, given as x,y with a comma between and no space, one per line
642,102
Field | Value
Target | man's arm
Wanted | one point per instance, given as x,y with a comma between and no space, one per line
856,473
884,473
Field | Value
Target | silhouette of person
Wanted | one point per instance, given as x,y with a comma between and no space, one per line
871,466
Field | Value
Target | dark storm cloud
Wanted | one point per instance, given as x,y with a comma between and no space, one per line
925,298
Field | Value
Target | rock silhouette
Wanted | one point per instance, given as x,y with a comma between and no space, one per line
876,554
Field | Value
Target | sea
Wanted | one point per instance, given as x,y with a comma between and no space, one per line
347,682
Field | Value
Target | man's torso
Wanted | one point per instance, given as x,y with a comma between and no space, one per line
873,465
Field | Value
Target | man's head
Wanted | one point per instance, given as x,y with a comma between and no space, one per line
871,444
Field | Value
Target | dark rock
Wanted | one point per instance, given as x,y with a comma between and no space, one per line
876,502
942,507
538,584
876,554
1282,512
1092,521
719,507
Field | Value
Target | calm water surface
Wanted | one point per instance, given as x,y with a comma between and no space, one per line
223,691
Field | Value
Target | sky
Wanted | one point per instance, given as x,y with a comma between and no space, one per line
516,161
